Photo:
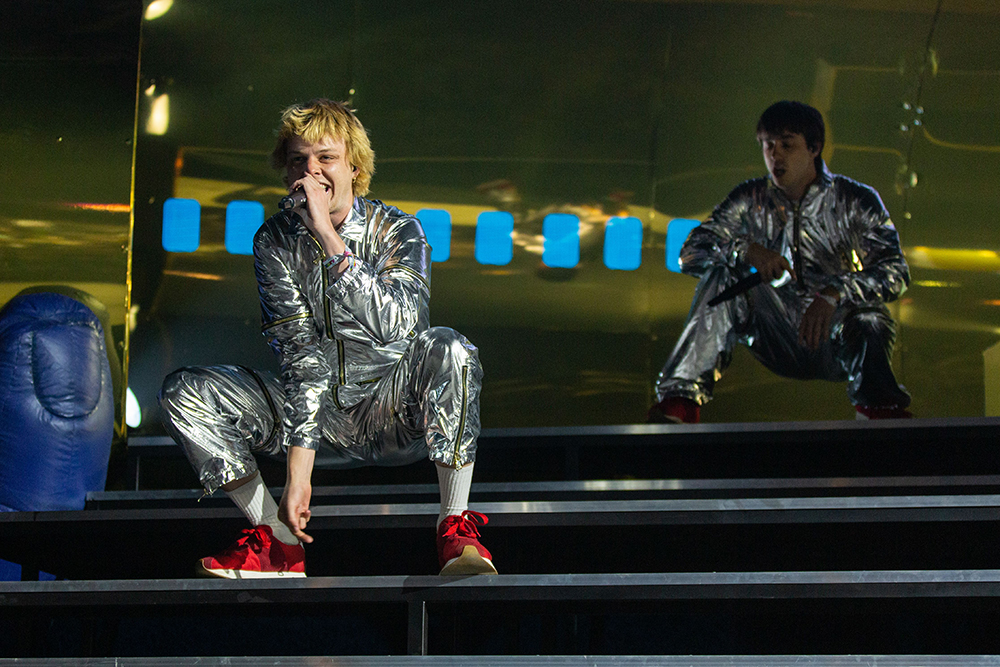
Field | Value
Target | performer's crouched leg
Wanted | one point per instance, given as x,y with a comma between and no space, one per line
219,415
866,343
702,353
445,389
444,396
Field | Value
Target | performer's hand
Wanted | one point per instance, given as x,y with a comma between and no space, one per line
293,510
769,264
318,201
816,322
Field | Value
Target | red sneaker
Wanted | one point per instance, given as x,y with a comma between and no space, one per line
674,410
864,412
459,550
256,555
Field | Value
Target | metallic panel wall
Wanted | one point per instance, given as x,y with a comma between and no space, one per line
593,109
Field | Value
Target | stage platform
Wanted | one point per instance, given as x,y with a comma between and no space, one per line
928,531
821,541
911,447
945,612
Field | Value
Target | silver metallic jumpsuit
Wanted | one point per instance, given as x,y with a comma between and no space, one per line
839,236
364,379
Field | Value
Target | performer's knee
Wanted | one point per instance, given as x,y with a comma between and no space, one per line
446,336
171,392
872,323
446,343
182,397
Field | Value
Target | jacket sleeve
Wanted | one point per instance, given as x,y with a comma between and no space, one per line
385,295
291,332
881,272
723,238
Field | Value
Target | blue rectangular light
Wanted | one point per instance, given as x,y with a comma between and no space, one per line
677,233
494,238
243,219
181,225
562,240
437,227
623,244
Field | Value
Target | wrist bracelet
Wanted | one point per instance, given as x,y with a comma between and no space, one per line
829,299
337,259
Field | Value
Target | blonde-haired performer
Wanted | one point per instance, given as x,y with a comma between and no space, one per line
344,285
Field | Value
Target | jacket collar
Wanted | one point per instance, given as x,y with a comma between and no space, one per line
824,179
354,223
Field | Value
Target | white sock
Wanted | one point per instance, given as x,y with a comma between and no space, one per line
259,507
455,484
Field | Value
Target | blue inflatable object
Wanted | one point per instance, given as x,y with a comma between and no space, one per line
56,403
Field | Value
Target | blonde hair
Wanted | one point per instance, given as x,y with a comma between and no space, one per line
321,118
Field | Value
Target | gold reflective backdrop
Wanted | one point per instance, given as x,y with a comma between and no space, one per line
67,123
593,109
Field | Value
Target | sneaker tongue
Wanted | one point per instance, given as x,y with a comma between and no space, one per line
254,538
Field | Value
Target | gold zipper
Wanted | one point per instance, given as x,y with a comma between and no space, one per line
282,320
327,319
461,421
413,272
341,374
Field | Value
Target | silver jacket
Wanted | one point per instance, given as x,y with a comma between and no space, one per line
337,334
839,235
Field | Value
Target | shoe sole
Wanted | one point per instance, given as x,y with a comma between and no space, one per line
470,562
203,571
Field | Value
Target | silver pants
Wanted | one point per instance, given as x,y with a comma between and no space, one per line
767,320
426,406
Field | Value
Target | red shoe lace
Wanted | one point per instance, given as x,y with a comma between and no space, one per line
253,539
465,524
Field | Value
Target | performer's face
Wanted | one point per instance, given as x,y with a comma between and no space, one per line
790,162
326,161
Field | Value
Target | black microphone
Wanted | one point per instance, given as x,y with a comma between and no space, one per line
291,200
739,287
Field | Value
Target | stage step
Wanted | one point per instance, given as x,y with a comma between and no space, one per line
538,537
891,448
596,489
711,614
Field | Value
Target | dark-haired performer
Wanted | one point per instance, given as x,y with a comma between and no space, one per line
833,254
344,284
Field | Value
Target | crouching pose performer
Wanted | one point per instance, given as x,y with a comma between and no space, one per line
344,285
829,259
